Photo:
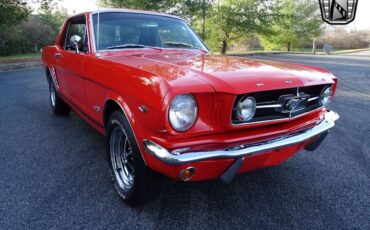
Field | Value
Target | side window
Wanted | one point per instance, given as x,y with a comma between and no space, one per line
77,27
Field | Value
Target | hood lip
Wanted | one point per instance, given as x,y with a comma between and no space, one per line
207,77
135,53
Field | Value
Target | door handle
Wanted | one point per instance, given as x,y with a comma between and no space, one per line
57,56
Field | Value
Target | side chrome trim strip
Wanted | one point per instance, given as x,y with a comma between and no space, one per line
164,155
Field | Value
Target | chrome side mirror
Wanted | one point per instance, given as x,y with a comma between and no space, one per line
74,41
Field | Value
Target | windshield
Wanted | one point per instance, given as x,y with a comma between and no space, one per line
120,30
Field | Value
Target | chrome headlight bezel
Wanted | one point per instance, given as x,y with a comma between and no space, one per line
326,96
183,112
248,104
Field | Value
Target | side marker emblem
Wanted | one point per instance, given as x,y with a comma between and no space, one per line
96,108
143,108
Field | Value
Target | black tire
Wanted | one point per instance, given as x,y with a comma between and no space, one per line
57,104
135,183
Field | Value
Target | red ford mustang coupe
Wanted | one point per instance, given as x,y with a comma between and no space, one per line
169,107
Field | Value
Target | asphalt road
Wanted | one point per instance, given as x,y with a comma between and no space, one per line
53,171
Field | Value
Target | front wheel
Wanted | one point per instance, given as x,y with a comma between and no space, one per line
133,180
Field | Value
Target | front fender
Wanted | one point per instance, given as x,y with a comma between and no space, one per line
128,112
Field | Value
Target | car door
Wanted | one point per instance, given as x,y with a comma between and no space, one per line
70,62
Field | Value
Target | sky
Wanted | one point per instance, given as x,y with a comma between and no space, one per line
362,21
78,6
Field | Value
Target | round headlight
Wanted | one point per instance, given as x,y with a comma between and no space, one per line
326,96
183,112
246,108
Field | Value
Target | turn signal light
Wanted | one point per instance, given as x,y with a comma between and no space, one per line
187,173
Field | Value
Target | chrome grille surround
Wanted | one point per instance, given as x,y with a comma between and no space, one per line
269,105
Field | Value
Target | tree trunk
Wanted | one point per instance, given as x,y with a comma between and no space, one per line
35,47
204,19
224,47
288,46
314,46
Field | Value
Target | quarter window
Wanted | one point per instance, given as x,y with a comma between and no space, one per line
77,27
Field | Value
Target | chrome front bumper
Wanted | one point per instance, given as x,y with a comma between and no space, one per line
164,155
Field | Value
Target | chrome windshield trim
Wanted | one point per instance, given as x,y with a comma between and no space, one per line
130,11
207,51
164,155
91,24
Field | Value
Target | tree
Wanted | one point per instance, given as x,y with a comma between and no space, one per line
298,19
285,29
311,23
195,11
52,15
23,32
236,19
36,33
12,13
158,5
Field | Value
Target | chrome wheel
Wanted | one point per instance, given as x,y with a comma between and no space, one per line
122,159
52,94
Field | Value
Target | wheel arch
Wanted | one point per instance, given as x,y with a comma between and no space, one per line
48,74
111,105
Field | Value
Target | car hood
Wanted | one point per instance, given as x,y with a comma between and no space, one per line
224,73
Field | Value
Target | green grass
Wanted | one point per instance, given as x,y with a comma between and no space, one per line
22,56
295,50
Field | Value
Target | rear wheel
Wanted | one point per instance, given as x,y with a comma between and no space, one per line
57,104
133,180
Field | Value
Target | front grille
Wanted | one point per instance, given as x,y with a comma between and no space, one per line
269,104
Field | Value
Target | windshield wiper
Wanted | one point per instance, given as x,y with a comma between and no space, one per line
125,46
166,44
182,45
178,44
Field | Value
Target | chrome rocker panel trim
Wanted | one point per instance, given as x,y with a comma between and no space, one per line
164,155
